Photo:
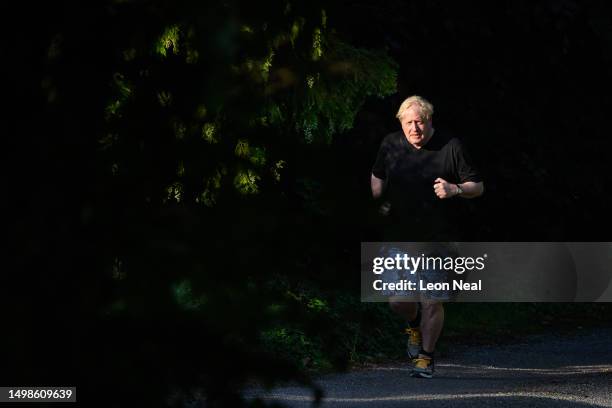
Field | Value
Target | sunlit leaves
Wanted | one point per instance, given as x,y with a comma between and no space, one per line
258,156
246,181
207,197
164,98
122,85
242,148
276,169
333,98
123,91
287,78
275,115
201,112
255,155
112,109
296,28
258,69
209,132
317,305
179,129
266,64
174,192
309,126
169,41
310,81
317,44
209,194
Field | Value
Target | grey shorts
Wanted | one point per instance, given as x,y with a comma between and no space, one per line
438,279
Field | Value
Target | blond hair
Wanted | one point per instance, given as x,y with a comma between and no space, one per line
422,104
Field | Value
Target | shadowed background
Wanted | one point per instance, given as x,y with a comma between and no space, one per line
189,184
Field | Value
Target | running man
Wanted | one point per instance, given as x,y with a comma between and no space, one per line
419,175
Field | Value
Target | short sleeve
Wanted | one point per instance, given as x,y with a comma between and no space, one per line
380,167
464,167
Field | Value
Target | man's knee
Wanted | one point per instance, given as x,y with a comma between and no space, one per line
431,307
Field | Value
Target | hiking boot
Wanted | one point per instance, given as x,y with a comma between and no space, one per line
413,345
423,367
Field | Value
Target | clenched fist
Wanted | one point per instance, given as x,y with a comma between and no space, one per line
444,189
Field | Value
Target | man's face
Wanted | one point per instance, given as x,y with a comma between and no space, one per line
415,127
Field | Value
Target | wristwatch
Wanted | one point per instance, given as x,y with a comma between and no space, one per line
459,190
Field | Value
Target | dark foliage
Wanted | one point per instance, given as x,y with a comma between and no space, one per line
177,203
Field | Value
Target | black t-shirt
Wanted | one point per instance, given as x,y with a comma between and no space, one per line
409,174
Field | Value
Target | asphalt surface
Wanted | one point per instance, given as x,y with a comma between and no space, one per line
547,370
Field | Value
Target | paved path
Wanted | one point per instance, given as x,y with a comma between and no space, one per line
548,370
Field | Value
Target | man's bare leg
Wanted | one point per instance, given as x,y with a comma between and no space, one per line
432,320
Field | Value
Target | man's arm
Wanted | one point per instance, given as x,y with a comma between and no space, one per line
377,185
469,189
